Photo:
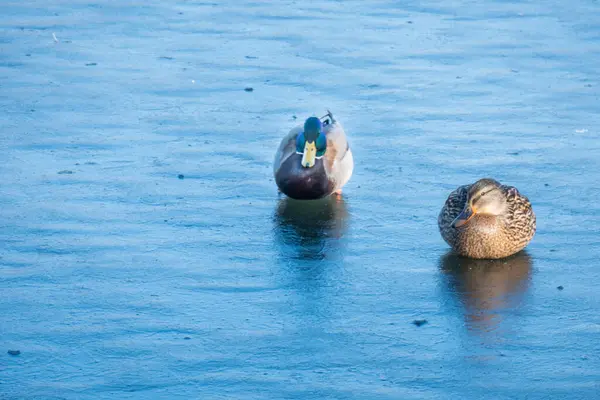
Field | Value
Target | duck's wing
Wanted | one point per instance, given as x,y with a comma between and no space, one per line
454,205
337,142
520,218
287,147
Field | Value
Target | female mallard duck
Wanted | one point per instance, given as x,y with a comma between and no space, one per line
487,220
313,161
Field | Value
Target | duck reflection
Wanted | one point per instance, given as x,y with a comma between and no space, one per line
486,288
308,229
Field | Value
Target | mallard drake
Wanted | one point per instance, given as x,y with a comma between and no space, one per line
314,160
487,220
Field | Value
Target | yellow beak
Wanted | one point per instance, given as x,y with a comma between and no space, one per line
310,154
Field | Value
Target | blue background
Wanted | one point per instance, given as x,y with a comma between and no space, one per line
119,280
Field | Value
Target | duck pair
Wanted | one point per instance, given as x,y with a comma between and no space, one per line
482,220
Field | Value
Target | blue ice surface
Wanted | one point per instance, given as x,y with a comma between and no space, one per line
119,280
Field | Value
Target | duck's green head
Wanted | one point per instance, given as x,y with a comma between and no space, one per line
485,197
311,143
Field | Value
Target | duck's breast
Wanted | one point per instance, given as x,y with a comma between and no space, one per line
302,183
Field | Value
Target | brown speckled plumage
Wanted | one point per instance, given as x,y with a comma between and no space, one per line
488,236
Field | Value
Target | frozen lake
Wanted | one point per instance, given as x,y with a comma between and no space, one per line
119,279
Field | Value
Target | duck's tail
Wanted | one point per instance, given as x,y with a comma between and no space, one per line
328,119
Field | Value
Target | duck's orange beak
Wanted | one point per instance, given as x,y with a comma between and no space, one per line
465,215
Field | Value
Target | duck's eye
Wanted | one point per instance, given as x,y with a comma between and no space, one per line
480,195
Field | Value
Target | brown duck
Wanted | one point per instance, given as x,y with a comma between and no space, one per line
487,220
